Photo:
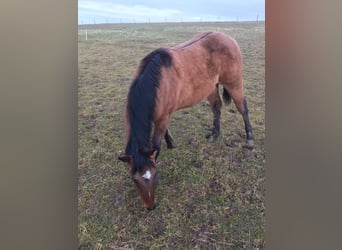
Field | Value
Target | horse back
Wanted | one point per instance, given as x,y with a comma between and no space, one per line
197,66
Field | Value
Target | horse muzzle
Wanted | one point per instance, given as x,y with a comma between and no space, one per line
151,208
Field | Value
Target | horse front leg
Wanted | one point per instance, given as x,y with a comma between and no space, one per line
160,131
169,139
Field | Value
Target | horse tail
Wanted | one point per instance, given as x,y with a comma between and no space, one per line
226,97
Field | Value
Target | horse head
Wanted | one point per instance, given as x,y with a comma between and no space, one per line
144,176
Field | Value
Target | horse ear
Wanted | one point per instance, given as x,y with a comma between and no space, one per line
125,158
151,153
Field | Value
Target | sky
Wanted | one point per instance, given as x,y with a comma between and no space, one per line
142,11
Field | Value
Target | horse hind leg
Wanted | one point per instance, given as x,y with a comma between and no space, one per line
248,126
216,104
241,104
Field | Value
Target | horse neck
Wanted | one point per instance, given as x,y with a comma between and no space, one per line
139,114
142,98
137,139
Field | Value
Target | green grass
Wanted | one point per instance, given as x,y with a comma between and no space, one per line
211,195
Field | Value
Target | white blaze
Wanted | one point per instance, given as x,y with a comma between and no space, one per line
147,175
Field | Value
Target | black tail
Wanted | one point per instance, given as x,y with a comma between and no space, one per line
226,97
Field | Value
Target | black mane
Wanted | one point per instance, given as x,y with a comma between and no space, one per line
141,105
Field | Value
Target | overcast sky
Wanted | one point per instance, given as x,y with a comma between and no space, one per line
115,11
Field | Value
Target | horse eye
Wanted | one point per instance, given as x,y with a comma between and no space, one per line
135,181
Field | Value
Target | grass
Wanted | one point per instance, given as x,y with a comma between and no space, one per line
211,195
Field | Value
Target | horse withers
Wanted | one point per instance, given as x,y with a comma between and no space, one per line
169,79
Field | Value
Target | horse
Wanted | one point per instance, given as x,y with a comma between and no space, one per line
173,78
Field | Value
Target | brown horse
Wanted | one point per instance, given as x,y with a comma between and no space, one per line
169,79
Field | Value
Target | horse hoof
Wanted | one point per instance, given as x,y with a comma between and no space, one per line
171,146
250,143
212,138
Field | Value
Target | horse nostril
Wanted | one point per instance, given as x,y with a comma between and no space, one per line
151,208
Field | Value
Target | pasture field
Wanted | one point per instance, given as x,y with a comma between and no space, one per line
211,195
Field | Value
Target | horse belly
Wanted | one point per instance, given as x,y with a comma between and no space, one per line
190,82
194,94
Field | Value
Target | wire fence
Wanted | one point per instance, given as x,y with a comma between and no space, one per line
165,20
109,31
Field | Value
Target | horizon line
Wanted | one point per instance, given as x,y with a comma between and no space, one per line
170,22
